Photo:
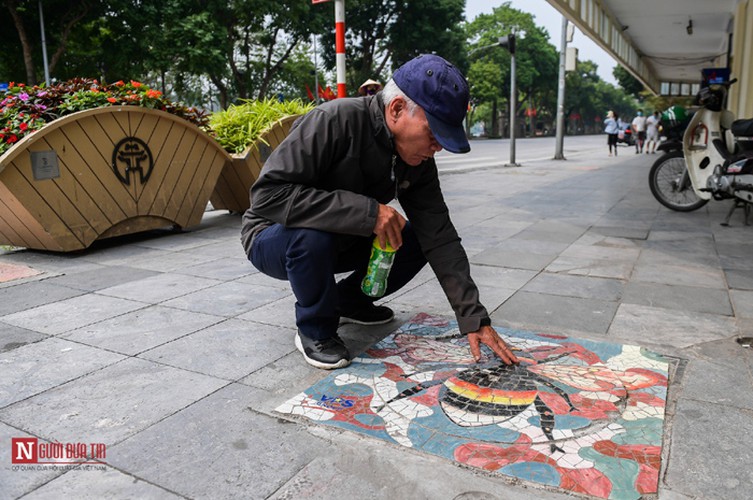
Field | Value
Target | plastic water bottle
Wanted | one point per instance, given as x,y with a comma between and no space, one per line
374,284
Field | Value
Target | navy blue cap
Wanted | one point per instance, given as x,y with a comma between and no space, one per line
442,91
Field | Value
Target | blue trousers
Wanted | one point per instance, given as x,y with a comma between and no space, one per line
309,260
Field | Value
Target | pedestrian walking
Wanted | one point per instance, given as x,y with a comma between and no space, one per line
652,132
612,129
639,131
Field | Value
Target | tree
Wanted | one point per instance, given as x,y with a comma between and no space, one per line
627,81
536,62
61,19
380,36
588,98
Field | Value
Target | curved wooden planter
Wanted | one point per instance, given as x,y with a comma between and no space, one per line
105,172
231,192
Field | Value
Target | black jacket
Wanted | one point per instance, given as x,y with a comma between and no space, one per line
331,171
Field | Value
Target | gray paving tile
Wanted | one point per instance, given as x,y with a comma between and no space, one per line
225,248
13,337
47,261
122,255
225,269
17,482
163,261
725,352
520,244
739,279
583,287
228,299
687,298
111,404
175,242
264,280
330,476
517,260
620,232
735,251
70,314
553,235
29,295
37,367
229,350
592,238
706,456
142,330
742,300
108,483
430,296
602,252
235,452
503,277
725,382
159,288
679,274
550,313
287,375
586,266
278,313
100,277
644,325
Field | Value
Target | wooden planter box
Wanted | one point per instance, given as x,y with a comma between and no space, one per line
231,192
105,172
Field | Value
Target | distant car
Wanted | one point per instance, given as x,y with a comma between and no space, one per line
626,137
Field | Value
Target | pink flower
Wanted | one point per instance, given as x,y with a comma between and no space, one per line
23,96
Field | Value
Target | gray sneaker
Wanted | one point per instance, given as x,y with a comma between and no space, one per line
326,354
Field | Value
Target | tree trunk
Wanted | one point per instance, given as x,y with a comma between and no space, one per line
25,44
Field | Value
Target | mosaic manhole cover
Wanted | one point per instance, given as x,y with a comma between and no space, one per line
579,415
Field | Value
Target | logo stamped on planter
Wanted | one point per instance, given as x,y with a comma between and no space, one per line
132,155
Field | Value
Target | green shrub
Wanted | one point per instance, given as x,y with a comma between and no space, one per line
241,125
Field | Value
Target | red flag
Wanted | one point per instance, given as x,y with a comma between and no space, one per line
329,94
308,91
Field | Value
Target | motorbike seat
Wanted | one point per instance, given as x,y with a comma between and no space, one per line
742,128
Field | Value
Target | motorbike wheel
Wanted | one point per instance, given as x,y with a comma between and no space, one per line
670,183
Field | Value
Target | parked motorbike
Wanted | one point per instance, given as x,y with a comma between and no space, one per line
716,160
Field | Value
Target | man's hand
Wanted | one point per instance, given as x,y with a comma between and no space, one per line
389,226
490,337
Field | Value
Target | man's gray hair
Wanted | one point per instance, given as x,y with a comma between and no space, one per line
391,91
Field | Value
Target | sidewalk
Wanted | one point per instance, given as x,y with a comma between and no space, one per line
171,352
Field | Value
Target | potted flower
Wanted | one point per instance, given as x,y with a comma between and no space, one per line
81,160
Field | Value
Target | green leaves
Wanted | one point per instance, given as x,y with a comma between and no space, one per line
240,126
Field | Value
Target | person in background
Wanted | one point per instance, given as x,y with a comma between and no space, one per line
652,132
369,87
612,129
639,131
322,198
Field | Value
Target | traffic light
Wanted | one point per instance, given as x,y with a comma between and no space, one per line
508,42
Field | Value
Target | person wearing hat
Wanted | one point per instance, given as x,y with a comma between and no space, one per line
322,198
369,87
612,129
